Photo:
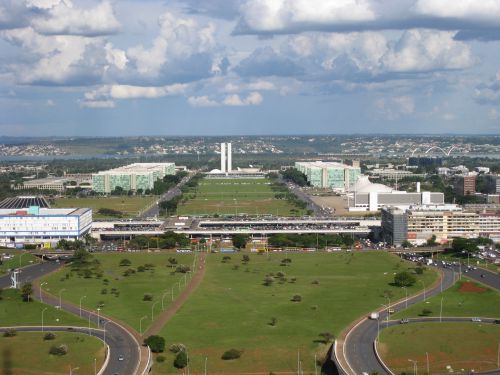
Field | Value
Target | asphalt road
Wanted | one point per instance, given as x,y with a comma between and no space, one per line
359,342
120,342
154,210
311,205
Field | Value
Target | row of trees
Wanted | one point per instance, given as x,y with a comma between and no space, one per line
310,240
167,240
295,176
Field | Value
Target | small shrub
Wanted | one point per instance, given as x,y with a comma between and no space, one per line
147,297
315,282
426,312
182,269
104,291
49,336
176,348
87,274
293,279
10,333
296,298
125,262
231,354
129,272
181,360
226,258
141,269
280,274
58,350
419,270
268,281
273,321
236,267
160,359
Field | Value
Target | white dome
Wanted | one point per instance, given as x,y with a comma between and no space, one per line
215,171
364,185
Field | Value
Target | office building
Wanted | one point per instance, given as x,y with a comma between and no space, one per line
43,226
137,176
336,176
465,185
425,161
226,158
443,221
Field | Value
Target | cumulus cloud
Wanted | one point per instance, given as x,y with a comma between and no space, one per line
135,92
63,17
296,16
395,107
97,104
260,85
489,92
233,100
267,62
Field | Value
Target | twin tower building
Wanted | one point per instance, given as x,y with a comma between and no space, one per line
226,160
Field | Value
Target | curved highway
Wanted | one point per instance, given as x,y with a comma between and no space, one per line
120,341
357,349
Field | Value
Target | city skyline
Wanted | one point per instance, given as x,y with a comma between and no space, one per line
249,67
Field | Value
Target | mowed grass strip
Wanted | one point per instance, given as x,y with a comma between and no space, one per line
15,312
467,346
233,308
129,206
27,353
233,197
19,259
122,296
465,298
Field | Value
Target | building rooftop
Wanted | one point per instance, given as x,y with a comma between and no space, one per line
44,212
24,202
136,168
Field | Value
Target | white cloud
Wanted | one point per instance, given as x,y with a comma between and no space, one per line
97,104
489,92
260,85
233,100
179,38
202,101
135,92
460,9
396,107
426,50
254,98
50,103
62,17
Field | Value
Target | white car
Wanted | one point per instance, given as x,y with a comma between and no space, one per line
476,319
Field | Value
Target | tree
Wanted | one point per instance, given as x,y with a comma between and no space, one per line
156,343
406,244
327,337
464,244
181,360
432,241
26,291
239,240
245,259
404,279
125,262
268,281
231,354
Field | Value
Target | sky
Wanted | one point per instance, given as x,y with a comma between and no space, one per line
245,67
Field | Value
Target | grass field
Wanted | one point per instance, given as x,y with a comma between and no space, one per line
15,262
233,309
127,302
234,197
465,298
27,354
129,206
464,346
14,312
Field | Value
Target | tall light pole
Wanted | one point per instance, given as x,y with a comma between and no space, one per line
95,366
172,293
424,288
179,283
98,318
415,368
41,297
406,298
21,257
427,359
42,316
62,290
440,312
104,328
90,314
206,359
81,304
153,310
72,369
140,324
315,365
162,298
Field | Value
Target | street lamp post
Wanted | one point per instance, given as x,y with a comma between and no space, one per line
440,312
424,288
206,359
95,366
90,314
172,293
415,368
179,283
153,309
81,304
406,298
42,316
104,328
98,318
72,369
41,297
427,359
21,257
62,290
162,298
140,324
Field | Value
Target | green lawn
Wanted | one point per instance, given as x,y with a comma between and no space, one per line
15,262
232,308
126,301
459,300
464,346
14,312
129,206
27,353
235,196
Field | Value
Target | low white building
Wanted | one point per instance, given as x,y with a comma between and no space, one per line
43,226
